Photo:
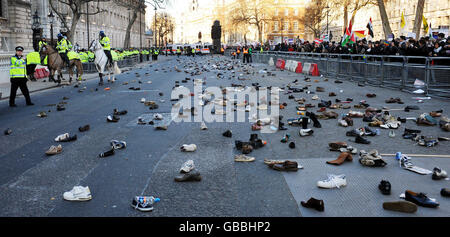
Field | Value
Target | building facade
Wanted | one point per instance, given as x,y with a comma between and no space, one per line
286,24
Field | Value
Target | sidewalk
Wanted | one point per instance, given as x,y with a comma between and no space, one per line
40,85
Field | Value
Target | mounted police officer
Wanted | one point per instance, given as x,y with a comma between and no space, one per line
106,43
18,77
62,47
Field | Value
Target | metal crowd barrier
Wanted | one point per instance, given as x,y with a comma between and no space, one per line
395,72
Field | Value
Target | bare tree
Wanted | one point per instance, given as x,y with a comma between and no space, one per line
384,19
314,14
418,20
76,7
252,12
165,25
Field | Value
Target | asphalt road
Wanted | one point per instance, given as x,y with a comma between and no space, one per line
32,184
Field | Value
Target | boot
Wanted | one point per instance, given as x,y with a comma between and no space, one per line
304,123
316,122
314,203
344,156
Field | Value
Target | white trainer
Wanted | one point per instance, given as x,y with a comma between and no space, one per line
333,181
187,166
62,137
78,193
191,147
243,158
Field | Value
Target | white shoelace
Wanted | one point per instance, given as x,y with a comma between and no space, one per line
332,179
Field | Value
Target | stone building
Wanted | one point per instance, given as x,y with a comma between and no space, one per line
15,25
286,25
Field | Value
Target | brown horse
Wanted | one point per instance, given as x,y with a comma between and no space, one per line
56,63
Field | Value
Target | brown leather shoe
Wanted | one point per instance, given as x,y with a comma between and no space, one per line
436,114
286,166
344,156
335,146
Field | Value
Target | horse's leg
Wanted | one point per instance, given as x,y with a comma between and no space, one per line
70,72
101,79
52,75
79,71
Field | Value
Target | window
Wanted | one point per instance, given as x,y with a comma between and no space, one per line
275,26
276,12
295,25
286,25
286,12
296,12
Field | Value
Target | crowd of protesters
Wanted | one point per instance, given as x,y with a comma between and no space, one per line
425,46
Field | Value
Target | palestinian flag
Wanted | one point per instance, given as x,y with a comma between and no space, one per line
370,27
349,36
318,41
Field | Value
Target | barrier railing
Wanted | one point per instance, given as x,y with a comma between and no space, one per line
397,72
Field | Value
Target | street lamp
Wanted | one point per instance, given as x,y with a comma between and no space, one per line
327,22
51,19
36,30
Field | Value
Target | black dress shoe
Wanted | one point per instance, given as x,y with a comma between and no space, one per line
352,133
84,128
108,153
361,140
8,131
314,203
30,104
70,139
385,187
420,199
227,133
445,192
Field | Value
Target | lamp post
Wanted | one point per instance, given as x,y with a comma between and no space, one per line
328,9
36,30
87,23
51,18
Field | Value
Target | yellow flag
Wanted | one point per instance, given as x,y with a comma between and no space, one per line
425,24
403,22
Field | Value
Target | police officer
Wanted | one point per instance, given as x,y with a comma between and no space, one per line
62,48
18,77
106,43
42,43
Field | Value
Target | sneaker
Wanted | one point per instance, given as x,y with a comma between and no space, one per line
157,117
53,150
439,174
188,148
141,121
117,112
117,145
78,193
203,126
305,132
385,187
227,133
400,206
187,166
445,192
333,181
144,204
69,139
42,115
7,132
61,137
243,158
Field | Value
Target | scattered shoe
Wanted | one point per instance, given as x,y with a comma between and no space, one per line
420,199
69,139
117,112
7,132
227,133
400,206
286,166
62,137
333,181
53,150
112,119
187,166
193,175
361,140
188,148
371,159
108,153
344,156
314,203
78,193
243,158
445,192
203,126
439,174
143,203
117,145
84,128
385,187
42,115
292,145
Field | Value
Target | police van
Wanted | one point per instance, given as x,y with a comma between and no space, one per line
206,48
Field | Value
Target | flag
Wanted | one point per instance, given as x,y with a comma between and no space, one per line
386,43
360,33
403,22
370,27
425,24
318,41
349,36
